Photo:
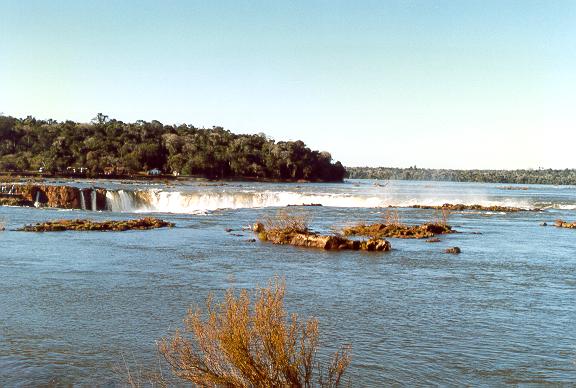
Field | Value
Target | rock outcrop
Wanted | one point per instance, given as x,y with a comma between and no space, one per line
564,224
309,239
88,225
462,207
62,197
14,200
398,230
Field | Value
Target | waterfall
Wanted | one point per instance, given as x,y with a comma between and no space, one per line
37,199
201,202
82,200
122,201
93,200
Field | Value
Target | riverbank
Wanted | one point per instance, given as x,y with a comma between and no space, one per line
521,177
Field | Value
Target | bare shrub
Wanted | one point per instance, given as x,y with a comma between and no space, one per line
391,217
238,343
441,216
287,221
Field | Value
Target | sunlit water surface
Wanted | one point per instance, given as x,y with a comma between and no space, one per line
78,307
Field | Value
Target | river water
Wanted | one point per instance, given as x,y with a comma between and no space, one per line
79,307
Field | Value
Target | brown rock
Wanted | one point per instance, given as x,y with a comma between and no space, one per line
63,197
564,224
88,225
453,250
462,207
398,230
309,239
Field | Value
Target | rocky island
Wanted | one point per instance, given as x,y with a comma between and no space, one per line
303,237
88,225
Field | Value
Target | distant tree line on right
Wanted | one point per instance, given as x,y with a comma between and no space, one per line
541,176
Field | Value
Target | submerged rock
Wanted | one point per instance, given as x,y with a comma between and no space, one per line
453,250
398,230
88,225
433,240
306,238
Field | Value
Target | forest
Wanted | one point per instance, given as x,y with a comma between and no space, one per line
106,145
541,176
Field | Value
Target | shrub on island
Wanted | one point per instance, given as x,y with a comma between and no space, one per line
290,230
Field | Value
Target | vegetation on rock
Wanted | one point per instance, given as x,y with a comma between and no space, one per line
393,227
398,230
309,239
286,229
115,147
462,207
564,224
88,225
244,343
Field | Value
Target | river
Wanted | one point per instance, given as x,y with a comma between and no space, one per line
78,307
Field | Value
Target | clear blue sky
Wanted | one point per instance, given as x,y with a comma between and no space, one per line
456,84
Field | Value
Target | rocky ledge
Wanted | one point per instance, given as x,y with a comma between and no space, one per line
14,200
309,239
462,207
564,224
398,230
88,225
62,197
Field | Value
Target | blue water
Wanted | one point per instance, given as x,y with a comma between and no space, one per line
77,307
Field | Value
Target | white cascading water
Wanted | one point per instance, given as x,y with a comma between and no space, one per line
94,207
200,202
37,199
82,200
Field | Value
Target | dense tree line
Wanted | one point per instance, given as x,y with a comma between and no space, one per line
30,144
548,176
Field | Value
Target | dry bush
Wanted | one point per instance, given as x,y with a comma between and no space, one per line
287,221
136,375
391,217
243,344
441,216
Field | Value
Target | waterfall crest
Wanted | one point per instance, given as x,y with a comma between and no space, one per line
201,202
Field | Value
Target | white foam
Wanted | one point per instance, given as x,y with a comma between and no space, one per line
198,202
204,201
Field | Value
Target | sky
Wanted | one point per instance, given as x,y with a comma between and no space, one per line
439,84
